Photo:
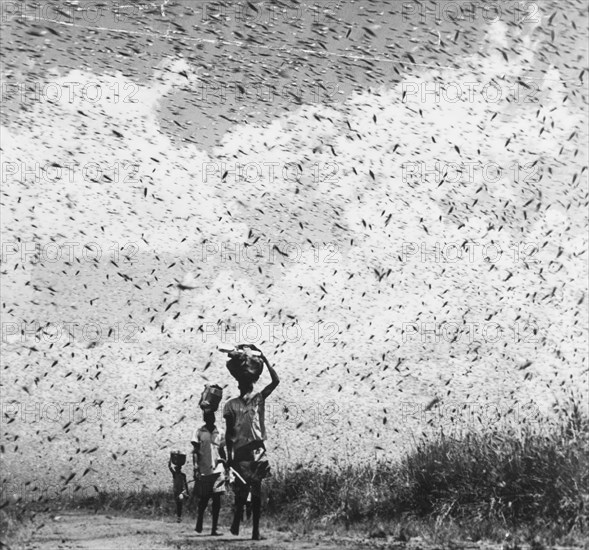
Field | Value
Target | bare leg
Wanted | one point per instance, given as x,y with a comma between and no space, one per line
202,506
248,508
216,510
178,509
237,513
256,509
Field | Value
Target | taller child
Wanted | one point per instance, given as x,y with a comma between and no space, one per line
245,434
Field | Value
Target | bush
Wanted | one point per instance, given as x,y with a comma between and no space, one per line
536,474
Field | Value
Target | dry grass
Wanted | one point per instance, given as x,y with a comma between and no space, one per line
532,478
529,480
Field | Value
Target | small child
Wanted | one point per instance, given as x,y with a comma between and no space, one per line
180,487
209,469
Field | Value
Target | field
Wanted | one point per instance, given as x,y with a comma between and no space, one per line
482,489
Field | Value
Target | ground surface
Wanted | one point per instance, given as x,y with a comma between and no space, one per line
106,532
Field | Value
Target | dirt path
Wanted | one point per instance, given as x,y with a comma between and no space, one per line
106,532
79,530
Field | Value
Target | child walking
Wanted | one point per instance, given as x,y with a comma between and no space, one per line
180,484
209,470
245,435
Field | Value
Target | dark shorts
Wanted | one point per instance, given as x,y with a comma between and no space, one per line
251,464
250,452
206,486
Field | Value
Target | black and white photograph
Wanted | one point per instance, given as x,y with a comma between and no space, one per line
294,274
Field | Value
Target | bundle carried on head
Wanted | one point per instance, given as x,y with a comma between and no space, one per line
178,458
245,363
210,398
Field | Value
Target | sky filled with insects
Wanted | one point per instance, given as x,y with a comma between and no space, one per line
121,133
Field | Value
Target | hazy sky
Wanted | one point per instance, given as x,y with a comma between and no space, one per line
147,171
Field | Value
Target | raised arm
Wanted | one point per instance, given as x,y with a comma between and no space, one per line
170,465
275,380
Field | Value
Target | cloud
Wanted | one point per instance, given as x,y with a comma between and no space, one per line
118,170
